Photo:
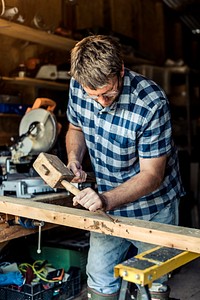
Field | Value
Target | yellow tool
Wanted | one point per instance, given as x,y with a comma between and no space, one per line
148,266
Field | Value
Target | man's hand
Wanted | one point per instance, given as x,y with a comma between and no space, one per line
89,199
76,168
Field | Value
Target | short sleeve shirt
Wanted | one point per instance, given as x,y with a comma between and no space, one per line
137,124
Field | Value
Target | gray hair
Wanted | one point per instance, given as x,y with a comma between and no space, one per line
95,60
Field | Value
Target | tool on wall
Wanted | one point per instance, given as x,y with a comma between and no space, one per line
38,131
11,13
56,174
52,72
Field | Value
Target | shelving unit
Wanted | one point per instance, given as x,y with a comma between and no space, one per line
28,89
182,86
179,84
36,87
26,33
26,81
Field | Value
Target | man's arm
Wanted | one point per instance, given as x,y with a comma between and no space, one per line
148,180
76,148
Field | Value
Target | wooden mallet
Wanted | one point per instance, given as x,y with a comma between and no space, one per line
56,174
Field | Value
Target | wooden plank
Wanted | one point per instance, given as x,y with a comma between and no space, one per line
18,31
27,81
51,197
164,235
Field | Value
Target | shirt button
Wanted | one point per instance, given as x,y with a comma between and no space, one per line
97,160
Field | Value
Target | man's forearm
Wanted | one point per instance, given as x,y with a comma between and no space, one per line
131,190
75,144
150,177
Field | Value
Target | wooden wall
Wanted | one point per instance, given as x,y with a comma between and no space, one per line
144,27
14,51
143,24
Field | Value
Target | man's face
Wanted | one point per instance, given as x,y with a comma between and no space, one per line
106,95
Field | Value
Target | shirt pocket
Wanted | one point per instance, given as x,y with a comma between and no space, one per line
122,153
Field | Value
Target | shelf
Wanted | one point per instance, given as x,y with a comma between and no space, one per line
26,81
170,69
26,33
10,115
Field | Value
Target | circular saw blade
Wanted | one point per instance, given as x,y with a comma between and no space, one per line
44,134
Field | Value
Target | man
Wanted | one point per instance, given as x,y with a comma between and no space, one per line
123,119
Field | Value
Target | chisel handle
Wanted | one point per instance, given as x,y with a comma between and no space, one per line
70,187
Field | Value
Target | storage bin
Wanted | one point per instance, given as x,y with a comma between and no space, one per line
26,292
67,290
62,258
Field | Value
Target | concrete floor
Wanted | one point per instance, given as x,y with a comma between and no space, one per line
184,283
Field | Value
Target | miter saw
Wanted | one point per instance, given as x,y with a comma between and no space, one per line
38,132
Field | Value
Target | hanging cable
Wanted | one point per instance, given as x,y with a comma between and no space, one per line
39,269
3,7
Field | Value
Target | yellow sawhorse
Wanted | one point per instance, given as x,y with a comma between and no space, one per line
150,265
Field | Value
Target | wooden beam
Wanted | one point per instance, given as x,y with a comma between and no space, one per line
164,235
26,33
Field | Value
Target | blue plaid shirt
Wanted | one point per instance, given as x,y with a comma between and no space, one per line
136,125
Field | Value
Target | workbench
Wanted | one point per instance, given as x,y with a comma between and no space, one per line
10,232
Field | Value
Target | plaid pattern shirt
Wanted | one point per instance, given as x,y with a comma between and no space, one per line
136,125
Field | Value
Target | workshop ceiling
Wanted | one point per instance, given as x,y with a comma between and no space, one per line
188,11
